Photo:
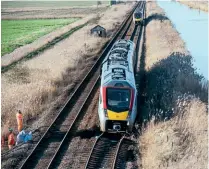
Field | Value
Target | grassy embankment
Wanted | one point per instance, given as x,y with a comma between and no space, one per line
174,135
201,5
16,33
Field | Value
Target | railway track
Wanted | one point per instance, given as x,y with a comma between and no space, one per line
122,154
111,151
104,151
51,144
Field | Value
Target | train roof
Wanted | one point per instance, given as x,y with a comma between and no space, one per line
117,67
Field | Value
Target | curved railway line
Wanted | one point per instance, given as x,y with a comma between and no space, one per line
104,151
52,144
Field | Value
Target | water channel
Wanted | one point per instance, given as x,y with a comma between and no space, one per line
192,25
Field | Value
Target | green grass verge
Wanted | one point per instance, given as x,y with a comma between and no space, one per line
16,33
43,48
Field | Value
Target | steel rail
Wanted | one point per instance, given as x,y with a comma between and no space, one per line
73,96
133,33
93,149
103,139
117,152
125,32
66,137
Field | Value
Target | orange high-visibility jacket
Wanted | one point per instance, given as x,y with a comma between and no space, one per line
11,139
19,121
19,118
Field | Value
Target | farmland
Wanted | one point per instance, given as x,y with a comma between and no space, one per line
16,33
23,4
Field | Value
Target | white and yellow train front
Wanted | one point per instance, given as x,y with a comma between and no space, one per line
138,18
118,95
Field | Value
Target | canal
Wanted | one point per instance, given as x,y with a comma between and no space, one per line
192,26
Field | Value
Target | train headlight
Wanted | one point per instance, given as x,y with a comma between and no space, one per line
105,112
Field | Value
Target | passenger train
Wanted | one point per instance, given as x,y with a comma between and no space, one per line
138,17
118,95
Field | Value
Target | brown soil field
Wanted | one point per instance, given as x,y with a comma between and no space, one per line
174,102
40,86
44,13
198,4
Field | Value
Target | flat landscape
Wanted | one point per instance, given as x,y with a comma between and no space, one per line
51,72
49,78
49,4
52,9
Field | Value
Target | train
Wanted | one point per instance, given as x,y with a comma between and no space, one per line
138,16
117,107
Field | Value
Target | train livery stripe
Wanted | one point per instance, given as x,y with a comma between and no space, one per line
132,99
138,19
117,116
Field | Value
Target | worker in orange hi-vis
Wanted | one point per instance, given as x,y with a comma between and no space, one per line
19,118
2,141
11,139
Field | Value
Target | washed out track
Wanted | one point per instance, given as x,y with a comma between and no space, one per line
59,133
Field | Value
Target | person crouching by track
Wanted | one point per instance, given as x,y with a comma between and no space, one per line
19,117
11,139
24,137
20,137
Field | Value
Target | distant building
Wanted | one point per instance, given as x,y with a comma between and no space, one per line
98,31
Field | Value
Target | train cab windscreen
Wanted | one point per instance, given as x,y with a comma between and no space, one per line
138,15
118,99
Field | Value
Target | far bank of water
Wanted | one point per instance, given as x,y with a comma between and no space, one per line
192,25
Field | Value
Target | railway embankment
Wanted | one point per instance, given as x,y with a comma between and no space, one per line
174,101
40,86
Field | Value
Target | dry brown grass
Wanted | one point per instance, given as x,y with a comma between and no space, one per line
32,85
160,33
174,111
197,4
180,143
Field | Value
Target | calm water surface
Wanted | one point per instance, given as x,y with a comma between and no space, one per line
192,25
